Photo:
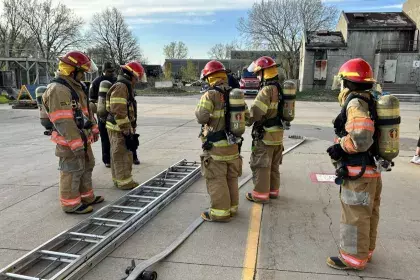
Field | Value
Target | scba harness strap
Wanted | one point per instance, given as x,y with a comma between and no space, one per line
78,115
225,134
130,100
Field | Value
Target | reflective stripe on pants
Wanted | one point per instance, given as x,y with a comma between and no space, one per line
75,185
360,201
121,159
222,185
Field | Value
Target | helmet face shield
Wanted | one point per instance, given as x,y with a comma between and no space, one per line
89,67
337,81
253,68
143,78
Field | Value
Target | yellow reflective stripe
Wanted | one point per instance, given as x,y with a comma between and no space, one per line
261,106
112,126
219,212
221,143
206,104
273,105
289,91
103,89
122,121
123,182
225,158
273,128
272,143
236,101
218,114
395,112
349,74
118,100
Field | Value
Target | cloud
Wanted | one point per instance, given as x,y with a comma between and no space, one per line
174,20
386,7
136,8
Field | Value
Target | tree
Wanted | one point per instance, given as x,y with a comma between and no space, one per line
222,51
175,50
111,34
55,28
189,73
280,25
167,71
13,31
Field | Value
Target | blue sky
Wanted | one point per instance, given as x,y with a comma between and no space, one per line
199,24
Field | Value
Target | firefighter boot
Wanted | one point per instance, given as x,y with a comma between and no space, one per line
82,209
128,186
98,199
337,263
251,198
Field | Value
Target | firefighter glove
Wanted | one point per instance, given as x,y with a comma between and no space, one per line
335,152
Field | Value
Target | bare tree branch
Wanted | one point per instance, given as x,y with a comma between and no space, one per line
175,50
113,39
280,24
222,51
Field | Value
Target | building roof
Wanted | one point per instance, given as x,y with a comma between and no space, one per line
379,20
324,39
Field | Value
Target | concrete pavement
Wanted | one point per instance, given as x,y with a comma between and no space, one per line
298,231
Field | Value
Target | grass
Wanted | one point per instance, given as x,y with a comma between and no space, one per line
4,99
317,95
165,92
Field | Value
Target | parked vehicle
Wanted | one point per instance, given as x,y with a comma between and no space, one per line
249,82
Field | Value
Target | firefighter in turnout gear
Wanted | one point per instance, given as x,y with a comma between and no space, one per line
75,129
121,105
221,161
356,154
267,132
94,92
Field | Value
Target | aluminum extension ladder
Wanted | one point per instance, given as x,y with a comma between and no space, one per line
74,252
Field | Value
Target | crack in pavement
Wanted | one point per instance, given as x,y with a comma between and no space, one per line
167,132
44,189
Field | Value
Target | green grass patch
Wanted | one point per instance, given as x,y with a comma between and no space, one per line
321,95
4,99
165,92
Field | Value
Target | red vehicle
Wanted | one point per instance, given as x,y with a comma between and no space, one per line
249,82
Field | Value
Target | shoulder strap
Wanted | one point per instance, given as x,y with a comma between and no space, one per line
226,105
74,95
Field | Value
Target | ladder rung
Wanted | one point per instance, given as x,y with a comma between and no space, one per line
179,173
109,220
171,180
89,240
142,196
140,200
87,235
57,259
124,211
126,207
106,225
151,187
19,276
54,253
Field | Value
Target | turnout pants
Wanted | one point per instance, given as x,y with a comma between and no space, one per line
222,185
121,160
265,165
106,146
76,181
360,201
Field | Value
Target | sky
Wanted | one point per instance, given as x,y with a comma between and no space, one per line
199,24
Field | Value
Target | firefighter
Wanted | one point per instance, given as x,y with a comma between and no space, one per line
221,162
360,193
75,129
267,132
120,106
108,74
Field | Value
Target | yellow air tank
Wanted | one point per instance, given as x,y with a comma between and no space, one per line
289,95
388,124
237,112
45,121
104,86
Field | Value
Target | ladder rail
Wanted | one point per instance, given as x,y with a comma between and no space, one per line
113,229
